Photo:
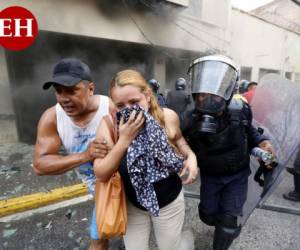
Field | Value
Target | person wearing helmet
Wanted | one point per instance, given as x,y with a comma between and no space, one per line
178,99
180,84
154,84
219,130
242,86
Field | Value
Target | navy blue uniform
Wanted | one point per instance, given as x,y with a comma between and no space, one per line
161,100
224,194
223,158
178,100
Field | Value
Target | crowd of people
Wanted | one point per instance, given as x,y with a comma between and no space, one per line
161,145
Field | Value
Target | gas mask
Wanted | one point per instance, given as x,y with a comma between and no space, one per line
208,107
209,104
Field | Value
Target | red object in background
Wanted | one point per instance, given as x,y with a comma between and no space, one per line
249,95
18,28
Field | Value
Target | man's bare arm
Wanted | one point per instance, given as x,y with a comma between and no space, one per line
46,159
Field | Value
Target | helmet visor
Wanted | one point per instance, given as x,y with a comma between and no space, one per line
213,77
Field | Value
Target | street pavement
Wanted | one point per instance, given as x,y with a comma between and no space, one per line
17,177
67,227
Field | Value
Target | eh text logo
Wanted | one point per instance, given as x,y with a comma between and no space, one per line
18,28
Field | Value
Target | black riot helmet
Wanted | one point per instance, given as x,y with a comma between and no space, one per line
213,81
154,85
180,84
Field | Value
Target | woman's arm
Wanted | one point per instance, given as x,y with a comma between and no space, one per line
190,163
105,167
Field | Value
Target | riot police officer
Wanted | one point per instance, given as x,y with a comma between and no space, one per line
154,84
220,132
178,99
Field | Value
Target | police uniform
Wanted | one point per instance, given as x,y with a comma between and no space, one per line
178,99
161,100
155,85
219,130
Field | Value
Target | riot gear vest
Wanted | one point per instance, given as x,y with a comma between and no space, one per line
226,151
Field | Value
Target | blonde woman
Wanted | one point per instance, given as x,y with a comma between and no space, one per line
160,203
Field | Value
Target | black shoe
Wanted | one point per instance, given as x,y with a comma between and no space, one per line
292,196
290,170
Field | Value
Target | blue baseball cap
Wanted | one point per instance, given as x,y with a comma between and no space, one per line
68,72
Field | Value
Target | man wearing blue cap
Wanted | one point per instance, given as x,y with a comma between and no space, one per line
72,123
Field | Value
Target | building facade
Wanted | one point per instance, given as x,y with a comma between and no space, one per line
158,37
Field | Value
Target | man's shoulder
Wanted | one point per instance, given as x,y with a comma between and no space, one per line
50,112
48,118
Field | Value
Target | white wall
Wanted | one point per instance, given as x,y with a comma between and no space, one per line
258,44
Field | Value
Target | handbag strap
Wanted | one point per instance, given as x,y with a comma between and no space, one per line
111,128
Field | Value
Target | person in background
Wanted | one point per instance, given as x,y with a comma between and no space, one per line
155,85
178,99
148,155
72,123
250,91
242,86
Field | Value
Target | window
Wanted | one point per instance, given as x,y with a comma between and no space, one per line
288,75
263,72
246,73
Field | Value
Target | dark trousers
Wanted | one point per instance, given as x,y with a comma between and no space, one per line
224,194
297,162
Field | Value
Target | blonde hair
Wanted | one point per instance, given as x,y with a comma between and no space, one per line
134,78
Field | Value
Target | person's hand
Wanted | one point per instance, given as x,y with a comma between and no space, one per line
130,129
97,149
267,146
190,169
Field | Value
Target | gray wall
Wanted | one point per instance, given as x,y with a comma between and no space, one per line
8,131
28,69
